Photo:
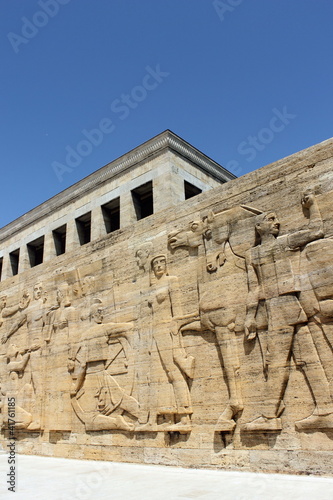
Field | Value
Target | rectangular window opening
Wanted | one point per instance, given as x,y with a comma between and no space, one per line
83,225
59,238
14,261
191,190
36,251
111,215
143,200
1,263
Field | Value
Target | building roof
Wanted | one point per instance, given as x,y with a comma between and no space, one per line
167,140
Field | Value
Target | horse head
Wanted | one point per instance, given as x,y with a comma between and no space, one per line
192,237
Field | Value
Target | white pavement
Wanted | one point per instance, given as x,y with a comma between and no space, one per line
44,478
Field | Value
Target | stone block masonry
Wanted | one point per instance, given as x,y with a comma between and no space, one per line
198,335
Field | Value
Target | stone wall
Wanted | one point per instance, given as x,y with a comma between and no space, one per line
200,336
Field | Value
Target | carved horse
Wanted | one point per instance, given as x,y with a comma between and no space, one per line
224,238
316,298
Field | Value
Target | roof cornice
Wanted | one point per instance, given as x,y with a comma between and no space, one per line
152,148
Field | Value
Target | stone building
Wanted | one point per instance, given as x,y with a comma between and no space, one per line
155,176
162,311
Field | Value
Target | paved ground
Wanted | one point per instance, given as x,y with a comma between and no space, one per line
39,478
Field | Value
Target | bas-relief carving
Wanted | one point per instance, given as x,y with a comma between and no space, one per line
142,260
33,315
6,312
263,273
162,361
248,286
96,396
273,282
61,318
142,256
220,299
317,298
20,387
62,321
164,301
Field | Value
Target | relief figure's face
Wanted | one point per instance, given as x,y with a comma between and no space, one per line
63,296
97,315
38,291
88,285
103,399
269,225
159,266
142,257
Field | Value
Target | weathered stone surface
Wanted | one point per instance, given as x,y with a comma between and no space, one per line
201,335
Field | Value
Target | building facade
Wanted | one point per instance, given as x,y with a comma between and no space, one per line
163,311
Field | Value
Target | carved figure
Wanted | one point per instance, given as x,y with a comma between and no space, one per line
273,283
6,312
60,330
34,317
142,256
222,288
317,298
18,389
96,396
143,365
85,289
61,316
166,310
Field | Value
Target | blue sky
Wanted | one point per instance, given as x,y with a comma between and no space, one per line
245,81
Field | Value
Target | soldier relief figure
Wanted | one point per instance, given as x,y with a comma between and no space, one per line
221,307
33,315
274,285
164,301
17,388
97,398
240,295
294,319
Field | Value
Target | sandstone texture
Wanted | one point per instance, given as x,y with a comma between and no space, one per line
200,335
